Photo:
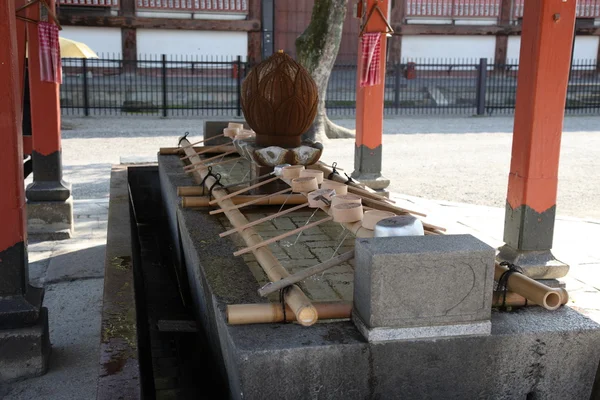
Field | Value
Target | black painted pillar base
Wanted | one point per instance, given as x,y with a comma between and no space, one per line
49,201
24,342
367,167
540,264
528,235
48,184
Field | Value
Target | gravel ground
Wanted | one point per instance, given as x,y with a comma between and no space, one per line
461,159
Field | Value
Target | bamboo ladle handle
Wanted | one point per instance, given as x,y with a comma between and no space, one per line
249,203
213,202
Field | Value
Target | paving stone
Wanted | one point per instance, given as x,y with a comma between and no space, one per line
76,262
298,251
283,223
318,289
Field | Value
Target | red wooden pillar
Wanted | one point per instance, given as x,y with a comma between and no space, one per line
23,322
49,202
45,124
369,111
546,44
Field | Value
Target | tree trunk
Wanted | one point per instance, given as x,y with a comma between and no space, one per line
316,50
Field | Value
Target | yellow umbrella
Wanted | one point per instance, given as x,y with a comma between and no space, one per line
72,49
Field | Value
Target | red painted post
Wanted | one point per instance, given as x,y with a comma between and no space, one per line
45,125
13,234
369,110
23,322
546,45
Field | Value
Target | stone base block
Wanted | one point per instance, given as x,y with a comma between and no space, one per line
423,282
421,332
374,181
24,352
535,264
50,220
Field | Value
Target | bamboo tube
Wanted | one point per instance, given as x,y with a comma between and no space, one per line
282,236
212,149
230,195
205,160
297,277
265,219
202,201
249,203
202,141
241,314
170,151
516,300
190,191
389,207
299,304
534,291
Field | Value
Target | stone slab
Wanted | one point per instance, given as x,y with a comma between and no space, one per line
416,281
531,352
76,262
535,264
50,220
420,332
24,351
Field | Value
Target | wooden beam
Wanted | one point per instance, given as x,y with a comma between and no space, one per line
397,17
129,48
480,30
502,40
161,23
255,37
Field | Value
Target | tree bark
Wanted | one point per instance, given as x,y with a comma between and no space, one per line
316,50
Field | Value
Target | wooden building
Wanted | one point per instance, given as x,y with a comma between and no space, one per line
424,29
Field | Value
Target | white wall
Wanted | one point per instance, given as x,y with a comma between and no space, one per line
448,47
101,40
586,48
191,43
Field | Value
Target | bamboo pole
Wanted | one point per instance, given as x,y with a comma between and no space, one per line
240,314
171,151
205,160
213,202
203,141
516,300
299,304
264,219
290,199
212,149
191,191
249,203
532,290
282,236
306,273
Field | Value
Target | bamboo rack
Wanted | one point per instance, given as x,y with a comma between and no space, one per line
188,201
306,314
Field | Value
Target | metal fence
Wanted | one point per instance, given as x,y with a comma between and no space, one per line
179,86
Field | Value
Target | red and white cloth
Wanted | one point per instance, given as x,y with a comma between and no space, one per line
371,59
50,65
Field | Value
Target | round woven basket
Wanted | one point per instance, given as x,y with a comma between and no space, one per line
279,100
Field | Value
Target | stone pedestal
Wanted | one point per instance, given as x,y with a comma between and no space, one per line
536,264
414,287
24,351
51,220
